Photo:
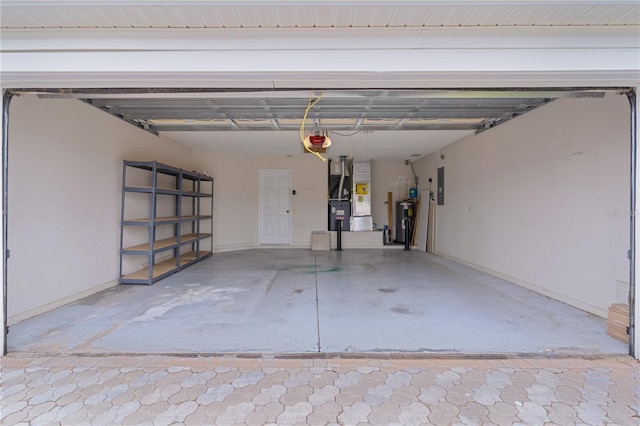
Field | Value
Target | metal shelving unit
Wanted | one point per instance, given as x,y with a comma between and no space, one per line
189,196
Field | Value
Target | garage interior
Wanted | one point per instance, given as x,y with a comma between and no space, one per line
528,247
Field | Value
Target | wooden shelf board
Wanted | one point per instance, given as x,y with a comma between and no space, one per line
188,238
165,266
148,189
167,242
166,191
159,268
191,256
186,218
158,219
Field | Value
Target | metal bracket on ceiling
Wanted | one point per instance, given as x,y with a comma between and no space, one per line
489,124
146,127
142,124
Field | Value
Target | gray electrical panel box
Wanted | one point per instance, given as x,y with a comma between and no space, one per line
339,209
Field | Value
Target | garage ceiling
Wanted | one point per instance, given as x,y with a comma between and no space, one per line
354,110
369,124
318,14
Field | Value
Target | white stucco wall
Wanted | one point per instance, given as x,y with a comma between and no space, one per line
543,200
236,197
65,181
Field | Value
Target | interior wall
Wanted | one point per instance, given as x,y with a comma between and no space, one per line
235,202
388,176
65,182
542,200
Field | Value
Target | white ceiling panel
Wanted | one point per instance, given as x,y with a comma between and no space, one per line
448,16
176,17
208,18
564,15
268,14
627,18
483,16
525,15
604,15
15,17
102,17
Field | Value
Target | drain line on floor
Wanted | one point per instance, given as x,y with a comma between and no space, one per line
315,273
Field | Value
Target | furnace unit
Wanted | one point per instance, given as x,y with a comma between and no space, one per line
339,193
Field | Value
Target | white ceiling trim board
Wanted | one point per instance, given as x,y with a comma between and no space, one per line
359,80
483,38
282,68
484,57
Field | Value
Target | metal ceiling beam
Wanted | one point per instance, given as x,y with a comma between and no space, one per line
185,113
423,115
303,92
210,128
297,104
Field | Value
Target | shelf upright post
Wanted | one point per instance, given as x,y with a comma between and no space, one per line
178,225
196,212
124,184
211,215
152,221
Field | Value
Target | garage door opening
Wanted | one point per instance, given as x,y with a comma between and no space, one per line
304,301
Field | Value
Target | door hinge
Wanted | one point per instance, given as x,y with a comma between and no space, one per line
629,255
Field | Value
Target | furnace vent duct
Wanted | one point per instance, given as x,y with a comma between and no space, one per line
342,174
335,168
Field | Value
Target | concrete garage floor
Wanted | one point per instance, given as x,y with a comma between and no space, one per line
296,301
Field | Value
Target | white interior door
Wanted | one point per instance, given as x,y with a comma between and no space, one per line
275,206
